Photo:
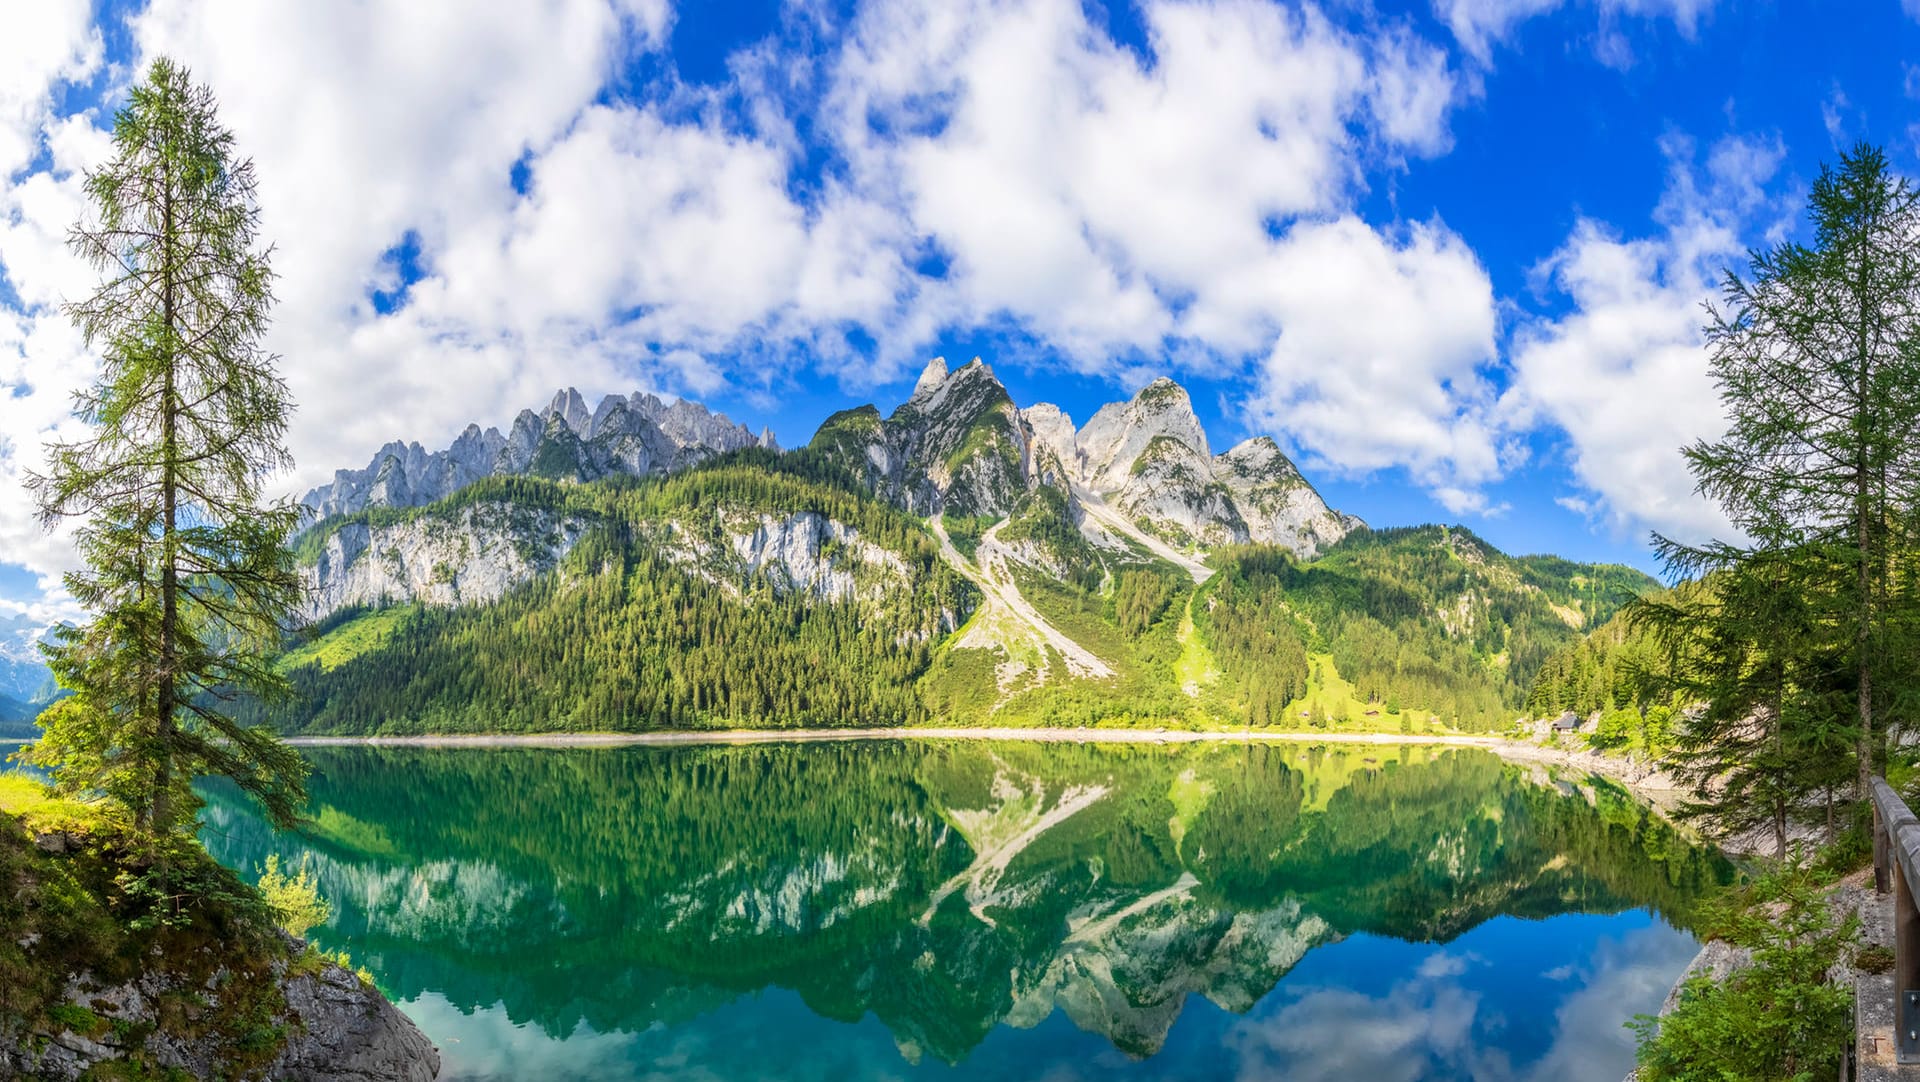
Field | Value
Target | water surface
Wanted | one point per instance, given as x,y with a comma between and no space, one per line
962,910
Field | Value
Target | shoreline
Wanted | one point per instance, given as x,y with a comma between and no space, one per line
1646,780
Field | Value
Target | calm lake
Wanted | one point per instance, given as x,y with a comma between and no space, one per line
894,910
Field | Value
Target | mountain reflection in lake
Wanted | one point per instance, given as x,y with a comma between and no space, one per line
987,909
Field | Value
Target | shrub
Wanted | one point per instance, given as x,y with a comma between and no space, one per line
295,900
1779,1018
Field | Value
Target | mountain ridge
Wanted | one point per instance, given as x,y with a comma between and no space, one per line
635,434
961,560
959,443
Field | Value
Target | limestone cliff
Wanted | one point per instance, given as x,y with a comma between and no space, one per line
804,552
474,554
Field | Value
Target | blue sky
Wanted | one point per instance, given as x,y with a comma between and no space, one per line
1450,253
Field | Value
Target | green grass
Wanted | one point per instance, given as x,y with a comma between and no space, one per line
1332,692
1195,667
21,793
350,640
28,799
965,531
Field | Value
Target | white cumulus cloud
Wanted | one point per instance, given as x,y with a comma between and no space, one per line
530,217
1624,374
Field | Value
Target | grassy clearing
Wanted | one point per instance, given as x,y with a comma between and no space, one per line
1194,670
28,799
348,641
1331,696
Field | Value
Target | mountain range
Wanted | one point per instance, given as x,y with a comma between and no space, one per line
24,679
637,434
962,559
960,446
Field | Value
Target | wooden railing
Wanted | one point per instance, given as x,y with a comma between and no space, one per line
1896,865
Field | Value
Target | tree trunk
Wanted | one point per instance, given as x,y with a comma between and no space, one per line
1863,527
162,820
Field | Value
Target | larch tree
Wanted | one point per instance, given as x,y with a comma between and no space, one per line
188,581
1817,358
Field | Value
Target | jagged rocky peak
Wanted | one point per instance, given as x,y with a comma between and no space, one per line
571,410
1116,436
633,434
931,376
959,444
967,389
956,444
960,441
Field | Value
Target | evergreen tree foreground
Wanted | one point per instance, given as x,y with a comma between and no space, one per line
187,579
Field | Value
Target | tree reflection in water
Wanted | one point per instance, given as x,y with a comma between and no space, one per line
587,905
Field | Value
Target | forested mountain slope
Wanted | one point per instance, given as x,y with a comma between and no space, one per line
962,561
1611,668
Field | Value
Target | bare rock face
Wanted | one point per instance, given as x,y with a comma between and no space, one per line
958,445
1275,502
475,554
1149,458
1115,438
350,1033
338,1030
632,434
1169,490
1052,443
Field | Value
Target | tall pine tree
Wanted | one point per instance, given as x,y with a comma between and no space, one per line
1817,357
1769,734
188,580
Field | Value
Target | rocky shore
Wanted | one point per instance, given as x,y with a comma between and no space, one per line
1642,777
101,979
336,1030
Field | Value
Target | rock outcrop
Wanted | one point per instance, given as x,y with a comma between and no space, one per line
337,1030
805,552
633,434
472,554
349,1032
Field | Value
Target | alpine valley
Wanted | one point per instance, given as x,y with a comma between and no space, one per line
961,561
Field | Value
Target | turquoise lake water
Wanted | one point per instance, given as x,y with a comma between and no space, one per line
988,910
